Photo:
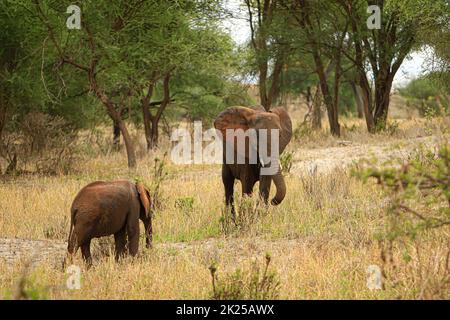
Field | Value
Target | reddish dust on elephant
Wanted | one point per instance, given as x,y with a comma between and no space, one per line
249,173
105,208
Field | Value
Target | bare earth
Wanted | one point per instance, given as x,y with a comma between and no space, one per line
326,160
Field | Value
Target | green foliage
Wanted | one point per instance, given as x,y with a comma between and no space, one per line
302,130
388,127
159,175
258,283
419,191
416,220
286,160
27,288
185,204
427,95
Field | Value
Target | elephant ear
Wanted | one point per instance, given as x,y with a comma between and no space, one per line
144,196
286,127
233,118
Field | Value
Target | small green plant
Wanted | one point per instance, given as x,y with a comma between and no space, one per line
302,131
257,283
286,160
158,177
185,204
26,287
388,127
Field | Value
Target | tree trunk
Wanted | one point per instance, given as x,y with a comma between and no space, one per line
275,81
367,105
147,127
2,123
337,82
116,136
151,122
383,85
328,100
317,110
147,116
128,144
154,133
263,86
116,117
358,99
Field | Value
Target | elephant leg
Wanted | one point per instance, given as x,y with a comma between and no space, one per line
228,183
247,187
86,252
120,239
133,235
264,187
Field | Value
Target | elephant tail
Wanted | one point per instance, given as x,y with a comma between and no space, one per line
72,246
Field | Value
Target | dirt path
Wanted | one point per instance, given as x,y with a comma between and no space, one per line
13,251
325,160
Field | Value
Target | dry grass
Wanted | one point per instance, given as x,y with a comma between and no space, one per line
322,237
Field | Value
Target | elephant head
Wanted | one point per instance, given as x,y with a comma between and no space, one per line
247,118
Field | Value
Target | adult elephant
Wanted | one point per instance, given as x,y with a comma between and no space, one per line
250,172
112,207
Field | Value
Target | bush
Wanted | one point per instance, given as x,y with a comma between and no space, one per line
158,177
425,95
45,142
415,239
286,160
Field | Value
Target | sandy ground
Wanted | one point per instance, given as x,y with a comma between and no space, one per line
326,160
54,252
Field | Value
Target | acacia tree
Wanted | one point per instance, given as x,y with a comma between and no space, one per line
321,31
185,42
151,121
381,52
98,50
19,77
270,48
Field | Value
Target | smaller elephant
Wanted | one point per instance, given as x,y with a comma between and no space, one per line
104,208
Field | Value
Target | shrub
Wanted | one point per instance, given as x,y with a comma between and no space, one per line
158,177
415,239
47,142
286,161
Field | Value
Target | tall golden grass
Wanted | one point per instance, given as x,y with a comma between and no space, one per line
322,238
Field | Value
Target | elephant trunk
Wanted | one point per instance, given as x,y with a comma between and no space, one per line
278,180
148,231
